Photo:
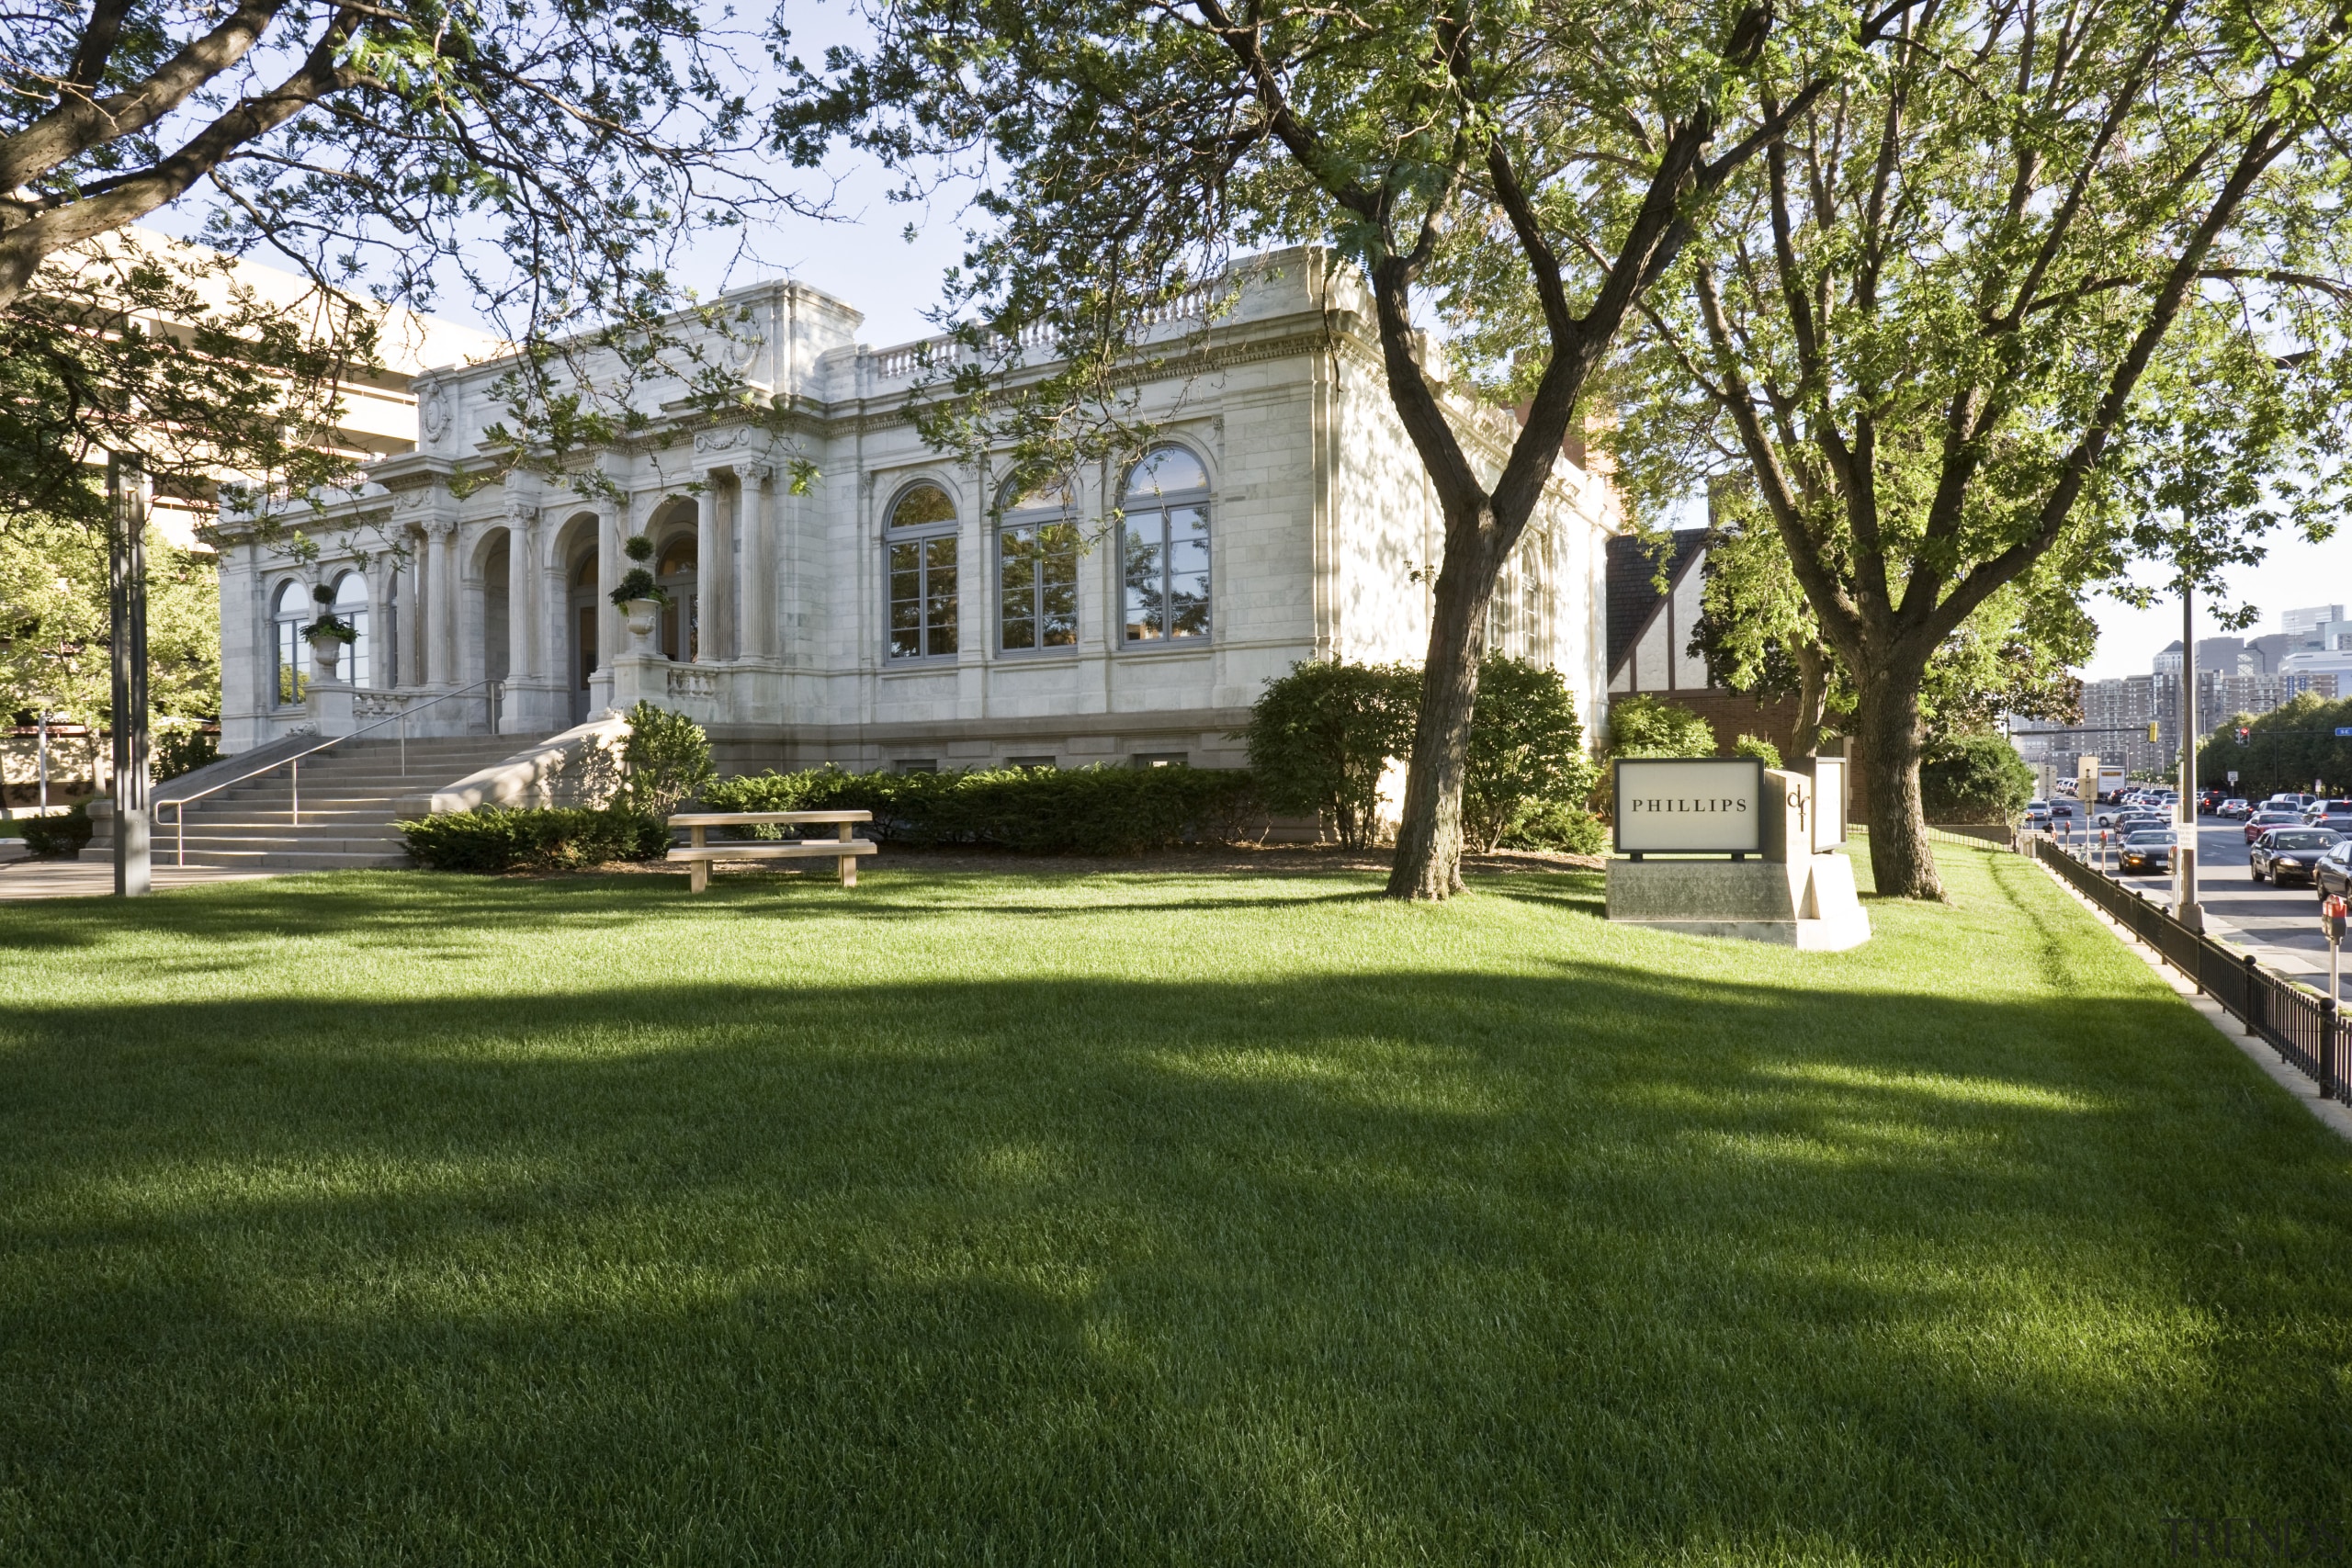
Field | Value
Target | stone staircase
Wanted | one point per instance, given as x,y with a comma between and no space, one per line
350,797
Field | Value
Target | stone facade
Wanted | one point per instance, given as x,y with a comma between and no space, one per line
491,608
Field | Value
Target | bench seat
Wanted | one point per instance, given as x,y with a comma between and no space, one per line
698,855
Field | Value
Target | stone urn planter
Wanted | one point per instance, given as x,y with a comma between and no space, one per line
641,615
326,652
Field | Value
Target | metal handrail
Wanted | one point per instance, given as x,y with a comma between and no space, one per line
490,688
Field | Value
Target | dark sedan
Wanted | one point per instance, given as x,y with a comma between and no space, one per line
2287,854
2333,875
2146,852
2262,821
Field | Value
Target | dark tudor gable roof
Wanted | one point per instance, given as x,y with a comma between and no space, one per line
1633,591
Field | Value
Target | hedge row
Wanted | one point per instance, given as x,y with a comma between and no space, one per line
1087,811
494,839
65,835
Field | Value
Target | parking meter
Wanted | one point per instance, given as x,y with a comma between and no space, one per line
2330,925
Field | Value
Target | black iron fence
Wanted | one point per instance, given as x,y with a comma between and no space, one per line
2304,1029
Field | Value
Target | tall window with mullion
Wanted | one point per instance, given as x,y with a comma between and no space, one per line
1036,552
920,563
1166,547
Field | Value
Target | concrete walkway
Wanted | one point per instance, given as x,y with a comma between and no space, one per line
83,879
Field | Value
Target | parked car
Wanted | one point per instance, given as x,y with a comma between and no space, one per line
2148,850
2233,810
2332,874
2287,854
2270,817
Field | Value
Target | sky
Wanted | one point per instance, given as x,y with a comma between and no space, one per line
2294,574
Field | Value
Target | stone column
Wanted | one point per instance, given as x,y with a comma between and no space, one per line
755,513
440,650
522,625
614,523
711,571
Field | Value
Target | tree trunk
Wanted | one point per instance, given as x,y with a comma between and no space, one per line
1813,698
1429,835
1901,864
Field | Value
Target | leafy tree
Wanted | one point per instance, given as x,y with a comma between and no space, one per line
2287,748
1645,726
1321,737
1944,323
1542,162
54,626
582,140
1526,751
1756,633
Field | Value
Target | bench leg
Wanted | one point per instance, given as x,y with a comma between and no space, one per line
848,862
698,876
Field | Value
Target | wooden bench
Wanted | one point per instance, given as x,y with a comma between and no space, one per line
697,854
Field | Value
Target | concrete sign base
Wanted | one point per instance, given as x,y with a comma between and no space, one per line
1807,902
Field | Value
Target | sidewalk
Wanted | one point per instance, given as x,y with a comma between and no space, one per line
21,879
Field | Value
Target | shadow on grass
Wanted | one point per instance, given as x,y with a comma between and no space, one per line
408,905
1589,1266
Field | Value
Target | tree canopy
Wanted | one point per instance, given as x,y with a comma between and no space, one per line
1956,325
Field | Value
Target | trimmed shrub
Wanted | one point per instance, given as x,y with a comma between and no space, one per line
66,835
1526,755
1645,727
182,750
1973,778
1321,736
495,838
1088,811
1557,825
1761,749
665,760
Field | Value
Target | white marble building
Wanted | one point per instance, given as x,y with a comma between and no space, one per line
904,611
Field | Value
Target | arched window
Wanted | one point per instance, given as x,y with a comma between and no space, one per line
351,606
919,565
289,611
673,569
1036,552
583,604
1165,547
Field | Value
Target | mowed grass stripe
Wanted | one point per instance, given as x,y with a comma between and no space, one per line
1036,1217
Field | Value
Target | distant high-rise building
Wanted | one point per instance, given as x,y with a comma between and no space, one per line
2304,623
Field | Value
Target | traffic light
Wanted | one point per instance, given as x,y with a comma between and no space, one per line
2243,734
2151,728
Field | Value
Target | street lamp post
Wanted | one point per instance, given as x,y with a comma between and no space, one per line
2184,855
126,590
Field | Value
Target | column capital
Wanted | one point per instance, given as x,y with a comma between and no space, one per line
439,527
758,471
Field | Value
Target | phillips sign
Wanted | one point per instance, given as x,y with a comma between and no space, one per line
1689,805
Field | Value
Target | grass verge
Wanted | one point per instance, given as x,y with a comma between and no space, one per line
395,1218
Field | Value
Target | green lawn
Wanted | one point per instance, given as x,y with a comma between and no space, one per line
1034,1218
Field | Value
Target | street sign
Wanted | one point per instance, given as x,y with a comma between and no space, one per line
2342,731
2233,779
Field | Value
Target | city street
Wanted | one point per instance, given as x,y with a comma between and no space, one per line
2278,925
